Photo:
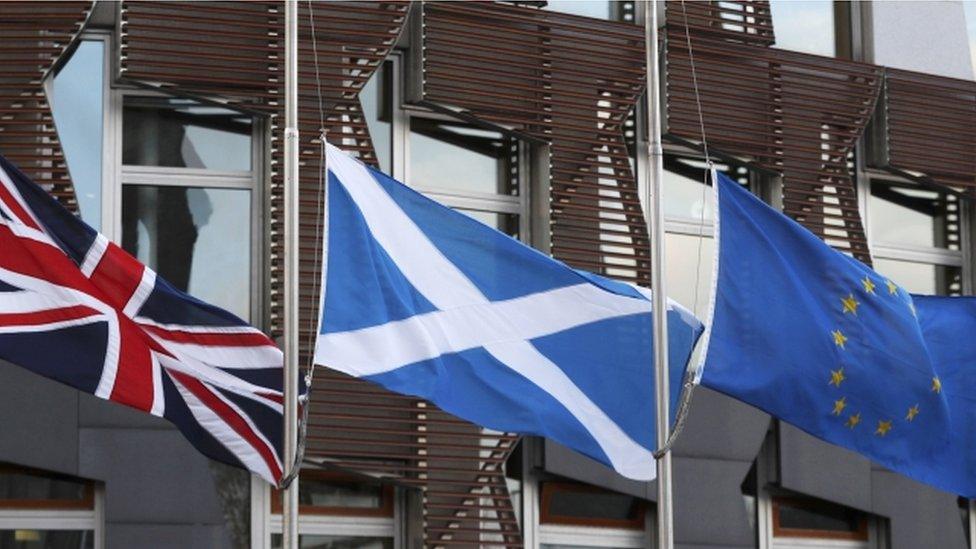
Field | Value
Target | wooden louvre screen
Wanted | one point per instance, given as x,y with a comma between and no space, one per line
354,424
32,37
566,80
794,113
927,127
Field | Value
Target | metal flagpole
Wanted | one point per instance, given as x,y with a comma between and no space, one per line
290,496
654,215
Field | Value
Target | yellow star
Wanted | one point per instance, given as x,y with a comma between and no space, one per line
892,287
836,377
868,285
936,385
852,421
839,338
883,428
912,412
850,304
839,406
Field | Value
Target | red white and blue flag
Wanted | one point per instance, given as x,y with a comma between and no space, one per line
76,308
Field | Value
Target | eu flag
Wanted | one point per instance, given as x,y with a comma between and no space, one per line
821,341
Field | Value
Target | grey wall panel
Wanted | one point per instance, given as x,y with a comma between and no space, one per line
721,427
560,460
151,476
813,467
164,536
95,412
919,516
39,421
708,505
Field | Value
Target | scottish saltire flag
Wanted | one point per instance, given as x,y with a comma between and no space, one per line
818,339
425,301
76,308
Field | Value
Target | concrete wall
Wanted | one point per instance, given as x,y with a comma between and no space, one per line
159,491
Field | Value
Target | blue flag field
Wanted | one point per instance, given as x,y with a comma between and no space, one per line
428,302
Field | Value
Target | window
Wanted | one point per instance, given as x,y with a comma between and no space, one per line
805,26
187,197
336,511
78,96
915,235
969,8
808,518
574,515
597,9
44,510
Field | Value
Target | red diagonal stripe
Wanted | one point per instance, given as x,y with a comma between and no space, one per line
117,276
47,316
134,377
213,339
230,417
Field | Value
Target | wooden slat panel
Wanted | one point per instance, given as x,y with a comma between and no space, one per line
793,113
32,37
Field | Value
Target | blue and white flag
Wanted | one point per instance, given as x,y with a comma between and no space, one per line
428,302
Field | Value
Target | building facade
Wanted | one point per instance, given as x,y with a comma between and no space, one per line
160,124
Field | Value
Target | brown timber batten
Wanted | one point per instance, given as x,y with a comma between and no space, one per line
925,125
797,114
565,80
233,52
32,37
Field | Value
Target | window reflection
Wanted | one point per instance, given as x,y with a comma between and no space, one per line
77,108
47,539
504,222
459,157
689,274
180,133
805,26
198,239
376,99
922,278
910,215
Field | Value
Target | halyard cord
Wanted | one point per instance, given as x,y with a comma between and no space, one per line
692,376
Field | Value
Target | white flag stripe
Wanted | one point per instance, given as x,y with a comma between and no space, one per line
31,233
159,398
12,188
146,285
446,287
224,434
197,329
244,358
439,280
190,366
627,456
94,255
422,337
23,328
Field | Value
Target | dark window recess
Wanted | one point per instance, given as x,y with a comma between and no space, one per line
584,505
22,488
337,542
330,493
811,518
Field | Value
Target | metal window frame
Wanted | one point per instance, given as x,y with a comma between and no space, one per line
115,175
61,519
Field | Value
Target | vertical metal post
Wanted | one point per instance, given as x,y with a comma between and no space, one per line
654,215
290,496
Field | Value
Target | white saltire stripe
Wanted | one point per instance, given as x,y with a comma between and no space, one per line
25,328
230,439
242,358
196,328
214,376
159,399
443,284
94,255
146,285
421,337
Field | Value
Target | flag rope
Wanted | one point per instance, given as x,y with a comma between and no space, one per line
690,379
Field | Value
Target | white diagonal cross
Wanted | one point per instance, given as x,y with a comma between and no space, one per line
466,319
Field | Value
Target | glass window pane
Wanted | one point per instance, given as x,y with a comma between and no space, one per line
922,278
459,157
323,492
77,108
378,108
804,25
969,7
504,222
198,239
910,215
18,487
599,9
684,266
336,542
179,133
47,539
685,195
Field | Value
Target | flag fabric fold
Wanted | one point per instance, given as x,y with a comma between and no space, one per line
426,301
76,308
820,340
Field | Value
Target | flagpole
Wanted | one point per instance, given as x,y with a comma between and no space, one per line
654,215
289,513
